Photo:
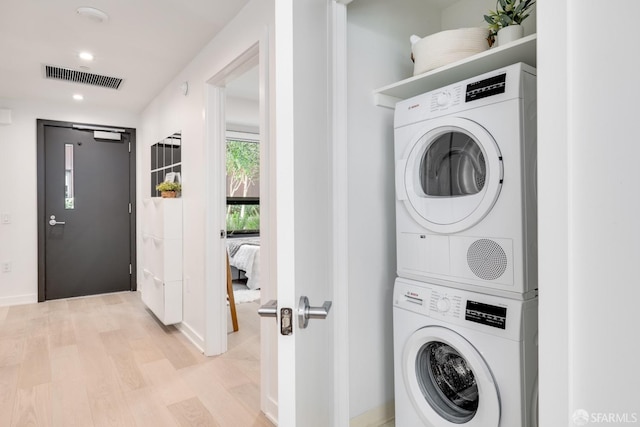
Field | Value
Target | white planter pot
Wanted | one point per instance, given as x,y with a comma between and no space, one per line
509,34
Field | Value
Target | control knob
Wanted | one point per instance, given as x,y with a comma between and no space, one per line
443,305
443,99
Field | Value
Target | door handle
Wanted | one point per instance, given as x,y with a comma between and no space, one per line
52,221
270,309
306,312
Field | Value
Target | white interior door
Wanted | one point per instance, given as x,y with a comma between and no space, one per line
303,206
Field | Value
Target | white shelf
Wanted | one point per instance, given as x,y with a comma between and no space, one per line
522,50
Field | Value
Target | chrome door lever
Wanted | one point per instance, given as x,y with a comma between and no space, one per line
305,312
52,221
270,309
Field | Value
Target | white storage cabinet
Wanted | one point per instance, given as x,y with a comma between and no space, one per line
162,258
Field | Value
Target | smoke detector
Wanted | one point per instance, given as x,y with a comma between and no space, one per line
95,15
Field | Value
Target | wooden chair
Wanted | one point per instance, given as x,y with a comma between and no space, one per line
230,297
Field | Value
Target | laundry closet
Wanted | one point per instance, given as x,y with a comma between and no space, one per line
380,72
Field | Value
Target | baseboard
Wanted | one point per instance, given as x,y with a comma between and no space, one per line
18,300
191,335
375,417
271,411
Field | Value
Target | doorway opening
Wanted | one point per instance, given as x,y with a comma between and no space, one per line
243,195
242,166
239,207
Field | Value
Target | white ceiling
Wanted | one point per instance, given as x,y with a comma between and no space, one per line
144,42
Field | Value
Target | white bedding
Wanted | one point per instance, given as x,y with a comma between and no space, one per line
247,259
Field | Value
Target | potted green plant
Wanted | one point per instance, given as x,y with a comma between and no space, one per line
505,22
169,189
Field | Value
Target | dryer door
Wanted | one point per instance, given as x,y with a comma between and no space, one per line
451,175
448,381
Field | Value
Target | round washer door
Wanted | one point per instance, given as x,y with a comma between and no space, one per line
451,175
448,381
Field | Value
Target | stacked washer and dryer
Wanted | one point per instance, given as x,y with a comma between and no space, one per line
465,302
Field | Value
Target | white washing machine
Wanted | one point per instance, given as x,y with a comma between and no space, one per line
463,358
466,209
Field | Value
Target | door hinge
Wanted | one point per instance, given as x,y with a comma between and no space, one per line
129,146
129,208
130,270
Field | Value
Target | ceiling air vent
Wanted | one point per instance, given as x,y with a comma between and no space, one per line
74,76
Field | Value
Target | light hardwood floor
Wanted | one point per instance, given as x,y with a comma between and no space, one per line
106,361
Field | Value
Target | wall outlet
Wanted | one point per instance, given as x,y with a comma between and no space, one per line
6,266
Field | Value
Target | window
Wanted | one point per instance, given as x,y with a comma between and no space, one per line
243,183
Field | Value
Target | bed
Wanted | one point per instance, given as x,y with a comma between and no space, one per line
244,254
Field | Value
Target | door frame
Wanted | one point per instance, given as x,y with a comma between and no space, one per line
41,215
340,221
215,334
215,272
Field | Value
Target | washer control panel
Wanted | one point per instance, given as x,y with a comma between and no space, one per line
491,314
445,302
486,314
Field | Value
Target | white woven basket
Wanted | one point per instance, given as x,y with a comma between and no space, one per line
446,47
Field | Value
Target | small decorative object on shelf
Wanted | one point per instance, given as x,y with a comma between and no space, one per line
169,189
505,22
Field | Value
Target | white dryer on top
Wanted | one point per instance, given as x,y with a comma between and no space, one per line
465,184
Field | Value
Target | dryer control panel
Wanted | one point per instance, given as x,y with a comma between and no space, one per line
489,88
486,87
449,97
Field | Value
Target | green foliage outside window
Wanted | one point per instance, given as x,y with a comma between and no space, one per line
237,220
243,166
243,170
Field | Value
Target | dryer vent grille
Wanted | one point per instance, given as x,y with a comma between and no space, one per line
487,259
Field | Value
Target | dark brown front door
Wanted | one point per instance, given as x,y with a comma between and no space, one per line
86,210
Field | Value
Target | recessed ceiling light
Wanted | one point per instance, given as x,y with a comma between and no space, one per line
86,56
93,14
78,97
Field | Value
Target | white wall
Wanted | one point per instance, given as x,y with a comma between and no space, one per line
589,209
242,114
379,54
18,240
470,13
171,111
